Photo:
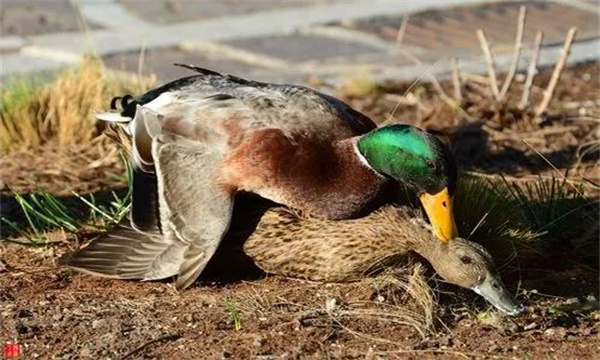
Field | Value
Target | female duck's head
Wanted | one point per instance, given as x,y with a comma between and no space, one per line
468,264
420,161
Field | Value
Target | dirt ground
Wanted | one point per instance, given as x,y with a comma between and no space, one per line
55,313
236,312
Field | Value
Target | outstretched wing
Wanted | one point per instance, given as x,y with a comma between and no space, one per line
194,210
127,253
179,213
135,248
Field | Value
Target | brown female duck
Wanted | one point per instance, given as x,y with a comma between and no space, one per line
347,250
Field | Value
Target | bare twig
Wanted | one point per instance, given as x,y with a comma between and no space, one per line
489,60
141,59
456,81
401,31
441,91
514,63
523,179
531,70
479,79
427,72
447,99
558,69
503,135
563,176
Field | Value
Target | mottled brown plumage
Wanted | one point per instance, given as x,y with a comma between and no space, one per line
348,250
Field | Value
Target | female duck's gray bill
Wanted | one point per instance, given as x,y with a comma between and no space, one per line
493,291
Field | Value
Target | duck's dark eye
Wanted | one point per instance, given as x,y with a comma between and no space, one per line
465,259
430,164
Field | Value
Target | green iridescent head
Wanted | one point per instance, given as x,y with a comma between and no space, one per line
419,160
411,156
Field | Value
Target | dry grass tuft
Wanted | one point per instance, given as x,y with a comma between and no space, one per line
62,110
398,298
82,168
407,290
358,86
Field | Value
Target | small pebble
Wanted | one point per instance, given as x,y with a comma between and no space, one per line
257,342
493,348
558,332
97,323
571,301
330,305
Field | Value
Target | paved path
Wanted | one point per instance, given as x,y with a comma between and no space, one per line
286,40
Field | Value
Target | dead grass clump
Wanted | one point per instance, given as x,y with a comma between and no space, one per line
61,111
399,298
61,170
396,302
407,287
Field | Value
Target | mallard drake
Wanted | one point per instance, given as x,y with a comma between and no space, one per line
200,140
348,250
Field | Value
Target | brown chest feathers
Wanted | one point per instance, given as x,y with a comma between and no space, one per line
322,178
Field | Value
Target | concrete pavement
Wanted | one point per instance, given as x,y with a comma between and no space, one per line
288,41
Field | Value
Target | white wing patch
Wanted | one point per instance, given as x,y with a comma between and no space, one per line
112,117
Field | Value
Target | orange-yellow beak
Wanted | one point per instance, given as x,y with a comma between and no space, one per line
439,210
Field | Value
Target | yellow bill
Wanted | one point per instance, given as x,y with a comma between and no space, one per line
439,210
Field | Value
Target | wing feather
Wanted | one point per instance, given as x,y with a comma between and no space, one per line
193,208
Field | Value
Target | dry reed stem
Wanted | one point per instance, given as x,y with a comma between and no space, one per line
413,84
447,99
476,78
514,63
401,31
456,80
563,176
531,71
489,61
509,135
415,60
558,69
